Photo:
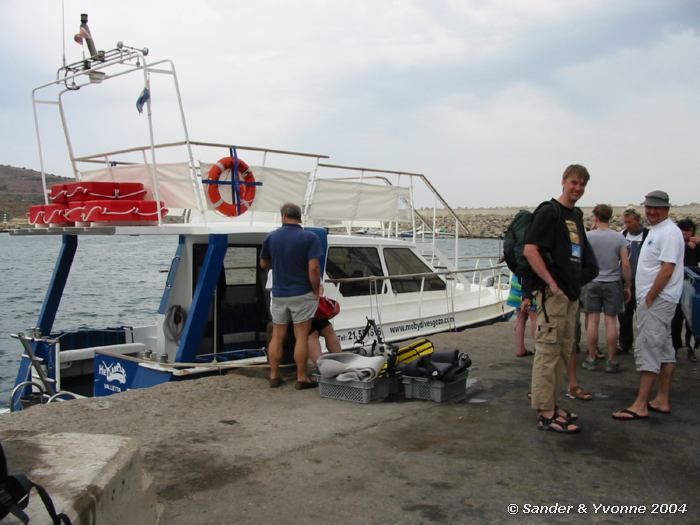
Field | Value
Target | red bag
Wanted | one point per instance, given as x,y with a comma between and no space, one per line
327,308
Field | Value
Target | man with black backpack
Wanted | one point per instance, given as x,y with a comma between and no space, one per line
557,250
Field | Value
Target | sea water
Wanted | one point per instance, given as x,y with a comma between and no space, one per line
114,281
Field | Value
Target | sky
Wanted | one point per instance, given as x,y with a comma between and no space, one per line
490,99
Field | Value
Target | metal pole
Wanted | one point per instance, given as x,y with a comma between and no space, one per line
149,115
195,187
456,244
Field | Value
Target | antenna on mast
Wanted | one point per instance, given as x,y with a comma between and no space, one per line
63,28
85,35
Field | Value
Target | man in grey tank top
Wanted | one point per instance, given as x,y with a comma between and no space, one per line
606,292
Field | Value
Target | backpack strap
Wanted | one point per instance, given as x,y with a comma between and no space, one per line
9,499
8,503
57,518
546,256
554,203
14,495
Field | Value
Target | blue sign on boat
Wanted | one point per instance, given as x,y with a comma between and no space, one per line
113,374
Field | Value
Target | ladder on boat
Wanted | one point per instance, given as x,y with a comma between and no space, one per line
45,385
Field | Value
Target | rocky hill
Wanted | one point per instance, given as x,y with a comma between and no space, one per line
19,189
492,222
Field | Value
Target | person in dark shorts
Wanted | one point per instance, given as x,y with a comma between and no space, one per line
520,299
691,258
322,328
557,249
609,291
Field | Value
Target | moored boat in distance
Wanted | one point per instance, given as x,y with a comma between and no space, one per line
214,311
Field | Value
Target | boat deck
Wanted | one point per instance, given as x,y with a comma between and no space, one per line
231,450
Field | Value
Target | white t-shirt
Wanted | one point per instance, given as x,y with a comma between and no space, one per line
664,244
635,238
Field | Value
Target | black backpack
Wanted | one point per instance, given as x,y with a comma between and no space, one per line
514,242
514,239
14,495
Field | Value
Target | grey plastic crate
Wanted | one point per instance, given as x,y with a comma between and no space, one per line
433,390
355,391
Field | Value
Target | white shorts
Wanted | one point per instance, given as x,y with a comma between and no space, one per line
653,346
296,309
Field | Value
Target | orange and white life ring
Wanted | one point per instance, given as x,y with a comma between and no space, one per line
246,191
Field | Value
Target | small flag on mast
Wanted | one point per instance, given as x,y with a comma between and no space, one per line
143,98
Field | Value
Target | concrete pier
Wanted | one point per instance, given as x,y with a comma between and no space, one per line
229,449
91,478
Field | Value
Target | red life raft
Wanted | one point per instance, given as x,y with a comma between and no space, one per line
87,203
45,215
92,191
115,211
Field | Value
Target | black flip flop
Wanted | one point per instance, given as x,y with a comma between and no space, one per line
303,385
276,382
627,411
526,354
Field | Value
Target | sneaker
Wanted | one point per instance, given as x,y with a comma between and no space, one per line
612,366
589,364
691,356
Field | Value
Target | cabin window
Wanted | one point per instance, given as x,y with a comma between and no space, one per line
353,261
402,261
240,265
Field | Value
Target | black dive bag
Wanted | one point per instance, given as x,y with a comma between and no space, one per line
14,495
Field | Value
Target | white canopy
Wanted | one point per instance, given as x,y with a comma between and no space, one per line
359,201
332,200
176,186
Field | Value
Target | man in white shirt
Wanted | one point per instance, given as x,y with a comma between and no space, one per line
659,283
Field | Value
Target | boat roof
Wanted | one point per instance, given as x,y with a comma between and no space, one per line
186,177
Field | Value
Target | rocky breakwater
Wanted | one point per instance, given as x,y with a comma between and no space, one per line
492,222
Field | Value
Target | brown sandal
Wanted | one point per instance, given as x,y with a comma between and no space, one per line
579,393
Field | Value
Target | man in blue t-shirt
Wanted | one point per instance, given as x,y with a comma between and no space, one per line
294,256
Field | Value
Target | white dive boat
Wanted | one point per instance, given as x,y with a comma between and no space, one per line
214,310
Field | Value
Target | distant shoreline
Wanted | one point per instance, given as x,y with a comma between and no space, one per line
491,223
692,208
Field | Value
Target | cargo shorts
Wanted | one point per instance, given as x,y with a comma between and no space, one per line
653,346
554,342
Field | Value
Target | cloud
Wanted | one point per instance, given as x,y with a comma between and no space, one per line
630,117
490,98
